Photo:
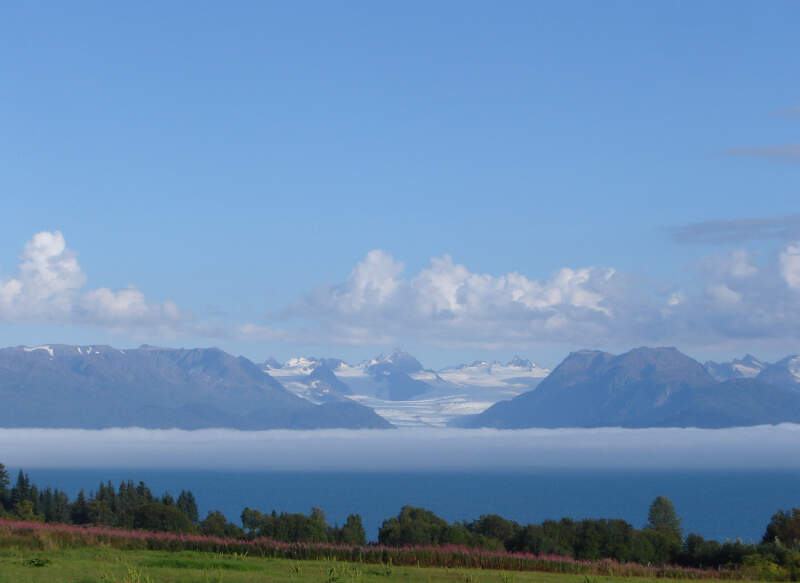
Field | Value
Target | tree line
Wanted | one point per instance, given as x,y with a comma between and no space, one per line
133,505
660,541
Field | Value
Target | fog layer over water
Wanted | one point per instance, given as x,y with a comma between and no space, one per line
403,449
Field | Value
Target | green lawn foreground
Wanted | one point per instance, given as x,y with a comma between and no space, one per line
106,565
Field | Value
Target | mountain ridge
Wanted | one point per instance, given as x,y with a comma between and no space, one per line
644,387
100,386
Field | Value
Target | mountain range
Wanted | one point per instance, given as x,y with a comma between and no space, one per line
652,387
101,386
399,388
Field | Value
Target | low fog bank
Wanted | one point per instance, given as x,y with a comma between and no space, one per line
403,449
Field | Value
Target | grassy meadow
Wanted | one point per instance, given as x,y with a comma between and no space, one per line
33,552
109,565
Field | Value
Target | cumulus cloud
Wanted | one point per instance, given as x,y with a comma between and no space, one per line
790,266
731,298
446,302
48,286
403,449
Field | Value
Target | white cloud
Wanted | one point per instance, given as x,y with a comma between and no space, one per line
447,303
790,266
723,295
47,286
730,299
739,264
404,449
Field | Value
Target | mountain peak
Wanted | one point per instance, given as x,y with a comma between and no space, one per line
520,362
746,367
645,387
100,386
397,361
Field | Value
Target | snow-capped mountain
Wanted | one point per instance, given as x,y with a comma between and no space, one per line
93,387
785,373
399,388
644,387
747,367
309,378
516,376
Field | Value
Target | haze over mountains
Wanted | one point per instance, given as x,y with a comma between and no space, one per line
399,388
101,386
652,387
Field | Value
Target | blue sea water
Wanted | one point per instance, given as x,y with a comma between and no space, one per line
718,504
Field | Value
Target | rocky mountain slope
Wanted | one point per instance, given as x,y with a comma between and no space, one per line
646,387
100,386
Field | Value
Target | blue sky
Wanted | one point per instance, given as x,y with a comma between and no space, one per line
266,168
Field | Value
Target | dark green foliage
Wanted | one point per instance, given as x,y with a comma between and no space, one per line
104,506
25,510
22,490
417,526
663,530
289,527
414,526
352,533
215,524
188,505
296,527
80,509
161,518
495,527
4,493
662,517
784,527
54,505
698,552
131,505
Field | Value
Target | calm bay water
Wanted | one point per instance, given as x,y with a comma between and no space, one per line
719,504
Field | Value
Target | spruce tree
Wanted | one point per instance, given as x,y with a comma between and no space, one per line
80,509
663,518
4,482
188,505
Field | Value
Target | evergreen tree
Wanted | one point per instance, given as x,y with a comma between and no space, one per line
352,533
25,511
80,509
61,507
4,482
663,518
784,527
160,517
215,524
663,530
19,493
187,504
143,493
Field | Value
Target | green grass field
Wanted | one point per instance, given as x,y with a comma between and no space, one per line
105,565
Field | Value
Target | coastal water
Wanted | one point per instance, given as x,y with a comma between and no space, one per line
718,504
